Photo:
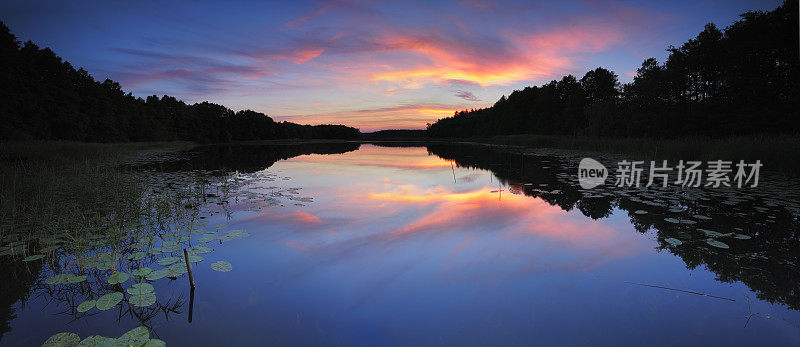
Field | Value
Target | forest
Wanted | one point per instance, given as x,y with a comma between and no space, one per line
741,80
43,97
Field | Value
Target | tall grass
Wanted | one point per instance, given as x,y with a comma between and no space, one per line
67,187
777,152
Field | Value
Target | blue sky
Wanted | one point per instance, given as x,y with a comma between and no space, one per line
369,64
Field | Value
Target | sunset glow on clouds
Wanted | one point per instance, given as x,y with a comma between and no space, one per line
373,65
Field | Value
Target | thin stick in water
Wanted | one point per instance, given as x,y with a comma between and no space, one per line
189,268
681,290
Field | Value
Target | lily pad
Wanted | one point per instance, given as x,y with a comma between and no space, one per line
640,212
142,272
158,274
672,220
137,256
155,250
179,268
168,261
86,306
140,288
674,241
741,237
97,340
222,266
72,279
710,233
106,264
62,340
716,243
118,277
109,300
142,300
205,239
33,257
155,343
136,337
57,279
195,258
201,249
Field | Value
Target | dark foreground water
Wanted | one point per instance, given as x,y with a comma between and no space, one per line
348,244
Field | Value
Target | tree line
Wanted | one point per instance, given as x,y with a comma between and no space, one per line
44,97
741,80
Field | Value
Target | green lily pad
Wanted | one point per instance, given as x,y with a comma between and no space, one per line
140,288
137,256
699,216
195,258
97,340
168,261
57,279
179,268
158,274
155,343
72,279
716,243
710,233
33,257
206,239
109,300
221,266
640,212
136,337
118,277
86,306
674,241
155,250
62,340
672,220
201,249
741,237
142,272
106,264
142,300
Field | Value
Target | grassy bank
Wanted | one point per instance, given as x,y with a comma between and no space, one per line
777,152
68,187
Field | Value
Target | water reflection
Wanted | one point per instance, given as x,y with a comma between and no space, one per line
403,244
766,261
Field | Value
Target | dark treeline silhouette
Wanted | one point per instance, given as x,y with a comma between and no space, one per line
394,134
44,97
737,81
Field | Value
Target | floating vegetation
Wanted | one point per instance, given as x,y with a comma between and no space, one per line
640,212
86,306
139,337
221,266
168,261
118,277
672,220
109,300
716,243
62,340
140,288
674,241
142,300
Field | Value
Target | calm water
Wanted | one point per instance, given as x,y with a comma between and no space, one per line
448,244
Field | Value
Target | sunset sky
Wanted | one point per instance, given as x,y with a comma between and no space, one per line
371,64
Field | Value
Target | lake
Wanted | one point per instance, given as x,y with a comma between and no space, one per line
413,244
